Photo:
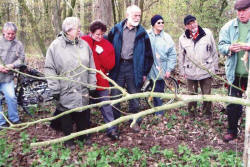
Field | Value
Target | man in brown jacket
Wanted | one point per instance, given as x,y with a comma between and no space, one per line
11,56
197,56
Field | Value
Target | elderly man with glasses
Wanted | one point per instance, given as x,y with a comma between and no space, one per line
164,54
197,57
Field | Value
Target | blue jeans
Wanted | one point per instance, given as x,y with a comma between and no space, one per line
9,93
159,87
126,76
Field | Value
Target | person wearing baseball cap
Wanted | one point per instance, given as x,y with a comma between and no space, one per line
164,55
197,51
234,43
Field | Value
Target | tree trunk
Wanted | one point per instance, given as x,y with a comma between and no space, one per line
246,153
31,19
101,10
71,8
141,5
87,15
56,17
114,12
22,25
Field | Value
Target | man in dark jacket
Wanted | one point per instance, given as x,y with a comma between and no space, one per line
133,56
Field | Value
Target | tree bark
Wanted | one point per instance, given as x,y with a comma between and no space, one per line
71,8
56,17
101,10
246,154
114,11
87,15
31,19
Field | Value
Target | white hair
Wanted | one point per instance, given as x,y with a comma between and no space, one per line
132,8
69,23
10,25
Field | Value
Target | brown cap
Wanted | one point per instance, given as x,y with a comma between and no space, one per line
242,4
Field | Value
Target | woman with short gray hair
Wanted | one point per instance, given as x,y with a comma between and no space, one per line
66,57
70,23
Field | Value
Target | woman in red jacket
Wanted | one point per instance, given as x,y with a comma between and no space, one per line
104,57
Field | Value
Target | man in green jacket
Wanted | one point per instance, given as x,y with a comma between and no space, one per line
234,42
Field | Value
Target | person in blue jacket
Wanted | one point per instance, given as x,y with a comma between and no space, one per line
164,54
133,57
234,43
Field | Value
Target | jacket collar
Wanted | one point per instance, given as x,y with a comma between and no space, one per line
236,22
14,40
151,32
67,41
140,30
201,34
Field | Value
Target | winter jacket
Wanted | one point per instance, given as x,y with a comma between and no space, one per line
11,52
228,35
164,54
201,51
104,61
142,56
66,59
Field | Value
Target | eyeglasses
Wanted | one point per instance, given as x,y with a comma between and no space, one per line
160,22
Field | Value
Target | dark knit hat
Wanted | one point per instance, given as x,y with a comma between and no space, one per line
242,4
155,18
188,19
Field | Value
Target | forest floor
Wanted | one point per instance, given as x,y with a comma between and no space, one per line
162,141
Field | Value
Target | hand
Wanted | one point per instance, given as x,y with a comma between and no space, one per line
235,47
167,75
184,76
3,69
144,78
245,47
9,66
93,93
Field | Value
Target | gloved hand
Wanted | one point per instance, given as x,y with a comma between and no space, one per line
56,96
93,93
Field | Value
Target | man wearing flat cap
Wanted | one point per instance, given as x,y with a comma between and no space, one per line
234,43
197,57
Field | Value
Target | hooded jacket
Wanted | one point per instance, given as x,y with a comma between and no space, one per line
142,55
67,61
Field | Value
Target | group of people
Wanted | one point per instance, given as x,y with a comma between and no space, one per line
78,66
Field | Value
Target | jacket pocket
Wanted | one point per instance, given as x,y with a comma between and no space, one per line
188,68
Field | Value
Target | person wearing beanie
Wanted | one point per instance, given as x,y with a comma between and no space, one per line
234,43
164,55
197,52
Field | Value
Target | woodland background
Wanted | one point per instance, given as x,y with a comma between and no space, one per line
39,21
